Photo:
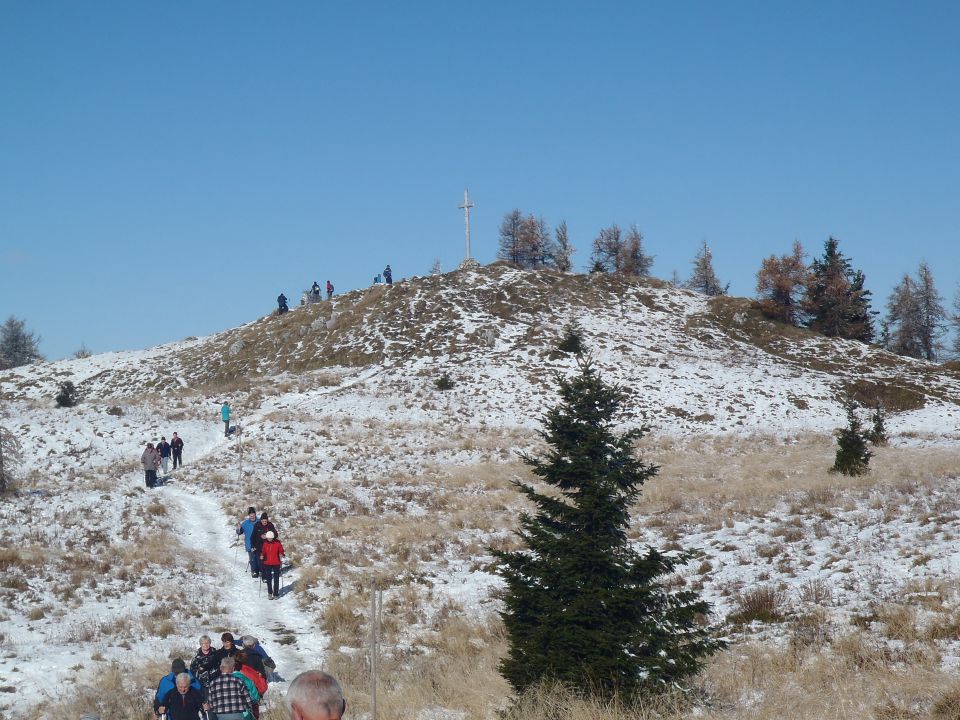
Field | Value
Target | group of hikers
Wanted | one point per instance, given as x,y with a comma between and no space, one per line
231,688
156,457
313,294
229,681
264,550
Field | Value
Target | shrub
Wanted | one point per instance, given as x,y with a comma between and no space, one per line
763,603
68,395
115,410
444,382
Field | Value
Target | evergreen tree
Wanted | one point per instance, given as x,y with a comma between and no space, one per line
878,427
704,279
836,302
780,285
563,249
853,456
18,346
67,395
582,605
572,341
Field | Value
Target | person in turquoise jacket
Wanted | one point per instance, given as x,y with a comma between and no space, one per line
225,414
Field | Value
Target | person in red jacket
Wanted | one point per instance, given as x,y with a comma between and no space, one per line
271,558
259,681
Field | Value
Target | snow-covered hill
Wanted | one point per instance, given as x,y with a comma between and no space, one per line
375,474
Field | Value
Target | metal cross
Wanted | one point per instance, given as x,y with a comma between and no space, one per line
466,210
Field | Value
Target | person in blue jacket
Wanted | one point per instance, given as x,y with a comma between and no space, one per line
246,528
169,682
225,416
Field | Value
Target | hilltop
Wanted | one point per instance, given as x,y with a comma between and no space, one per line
697,364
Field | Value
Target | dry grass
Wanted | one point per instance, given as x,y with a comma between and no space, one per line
751,476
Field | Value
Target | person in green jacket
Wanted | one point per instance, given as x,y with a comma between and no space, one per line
225,415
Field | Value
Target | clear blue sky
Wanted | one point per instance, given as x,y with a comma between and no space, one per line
167,168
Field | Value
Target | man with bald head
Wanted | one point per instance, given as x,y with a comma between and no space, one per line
315,695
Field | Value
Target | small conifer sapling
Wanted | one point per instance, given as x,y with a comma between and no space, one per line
853,455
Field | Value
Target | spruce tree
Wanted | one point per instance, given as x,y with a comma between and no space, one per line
582,605
836,302
877,434
67,394
853,456
18,346
572,341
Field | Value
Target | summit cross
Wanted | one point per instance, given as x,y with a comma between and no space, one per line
466,211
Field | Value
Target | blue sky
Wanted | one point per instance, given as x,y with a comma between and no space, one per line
168,168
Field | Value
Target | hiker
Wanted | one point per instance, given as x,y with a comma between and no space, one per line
253,648
184,702
315,695
151,461
329,289
169,682
315,289
282,304
206,663
260,529
227,695
254,679
377,279
246,529
271,558
227,646
388,275
176,447
225,416
163,447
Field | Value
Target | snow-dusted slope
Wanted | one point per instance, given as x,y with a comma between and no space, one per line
375,473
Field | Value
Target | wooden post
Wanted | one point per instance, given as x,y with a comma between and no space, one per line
374,628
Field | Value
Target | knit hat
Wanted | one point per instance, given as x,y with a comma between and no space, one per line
263,515
178,666
269,535
251,510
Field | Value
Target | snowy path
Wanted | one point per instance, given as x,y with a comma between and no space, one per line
286,632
